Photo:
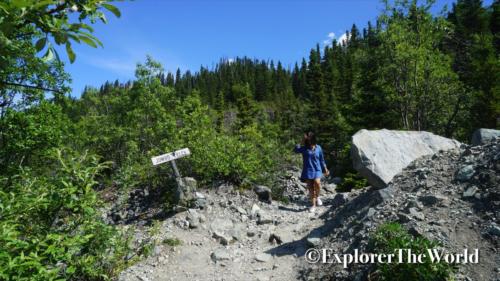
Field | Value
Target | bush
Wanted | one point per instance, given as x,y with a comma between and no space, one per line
390,237
351,181
50,226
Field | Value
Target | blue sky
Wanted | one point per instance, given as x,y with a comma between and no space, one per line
191,33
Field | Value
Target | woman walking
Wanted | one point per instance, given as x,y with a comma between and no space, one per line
313,167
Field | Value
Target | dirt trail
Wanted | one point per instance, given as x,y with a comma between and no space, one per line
250,255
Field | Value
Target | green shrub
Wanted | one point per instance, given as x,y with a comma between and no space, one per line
390,237
351,181
50,226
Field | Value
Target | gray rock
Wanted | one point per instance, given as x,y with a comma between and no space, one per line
264,218
370,213
403,218
193,217
255,211
224,239
430,200
314,238
494,229
470,191
340,199
330,187
416,214
381,154
465,173
240,210
263,192
482,136
220,255
280,236
263,257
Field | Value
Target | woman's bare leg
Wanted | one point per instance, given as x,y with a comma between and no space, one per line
310,187
316,187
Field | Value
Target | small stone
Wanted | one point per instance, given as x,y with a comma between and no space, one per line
264,218
370,213
263,257
470,191
340,199
263,192
429,200
223,238
314,238
220,255
255,210
465,173
494,230
240,210
402,218
416,214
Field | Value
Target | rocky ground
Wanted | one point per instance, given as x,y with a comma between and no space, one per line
235,236
452,197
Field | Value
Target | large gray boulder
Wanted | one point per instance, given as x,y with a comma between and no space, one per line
381,154
482,136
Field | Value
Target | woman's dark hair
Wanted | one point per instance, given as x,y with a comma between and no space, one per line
310,139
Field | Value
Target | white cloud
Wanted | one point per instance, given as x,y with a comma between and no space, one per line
230,60
330,36
117,66
343,38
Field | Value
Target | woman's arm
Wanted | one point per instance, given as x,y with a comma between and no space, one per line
322,162
298,148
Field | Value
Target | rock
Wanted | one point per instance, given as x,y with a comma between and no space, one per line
255,210
279,237
381,154
329,187
465,173
222,230
403,218
494,229
263,257
264,218
237,232
199,195
416,214
370,213
190,184
263,192
240,210
314,238
482,136
223,238
340,199
220,255
194,218
429,200
470,191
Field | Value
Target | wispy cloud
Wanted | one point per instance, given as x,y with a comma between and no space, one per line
330,36
125,59
343,39
122,67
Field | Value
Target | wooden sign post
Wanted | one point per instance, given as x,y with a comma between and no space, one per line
170,157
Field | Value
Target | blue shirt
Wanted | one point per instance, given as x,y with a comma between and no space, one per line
313,161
